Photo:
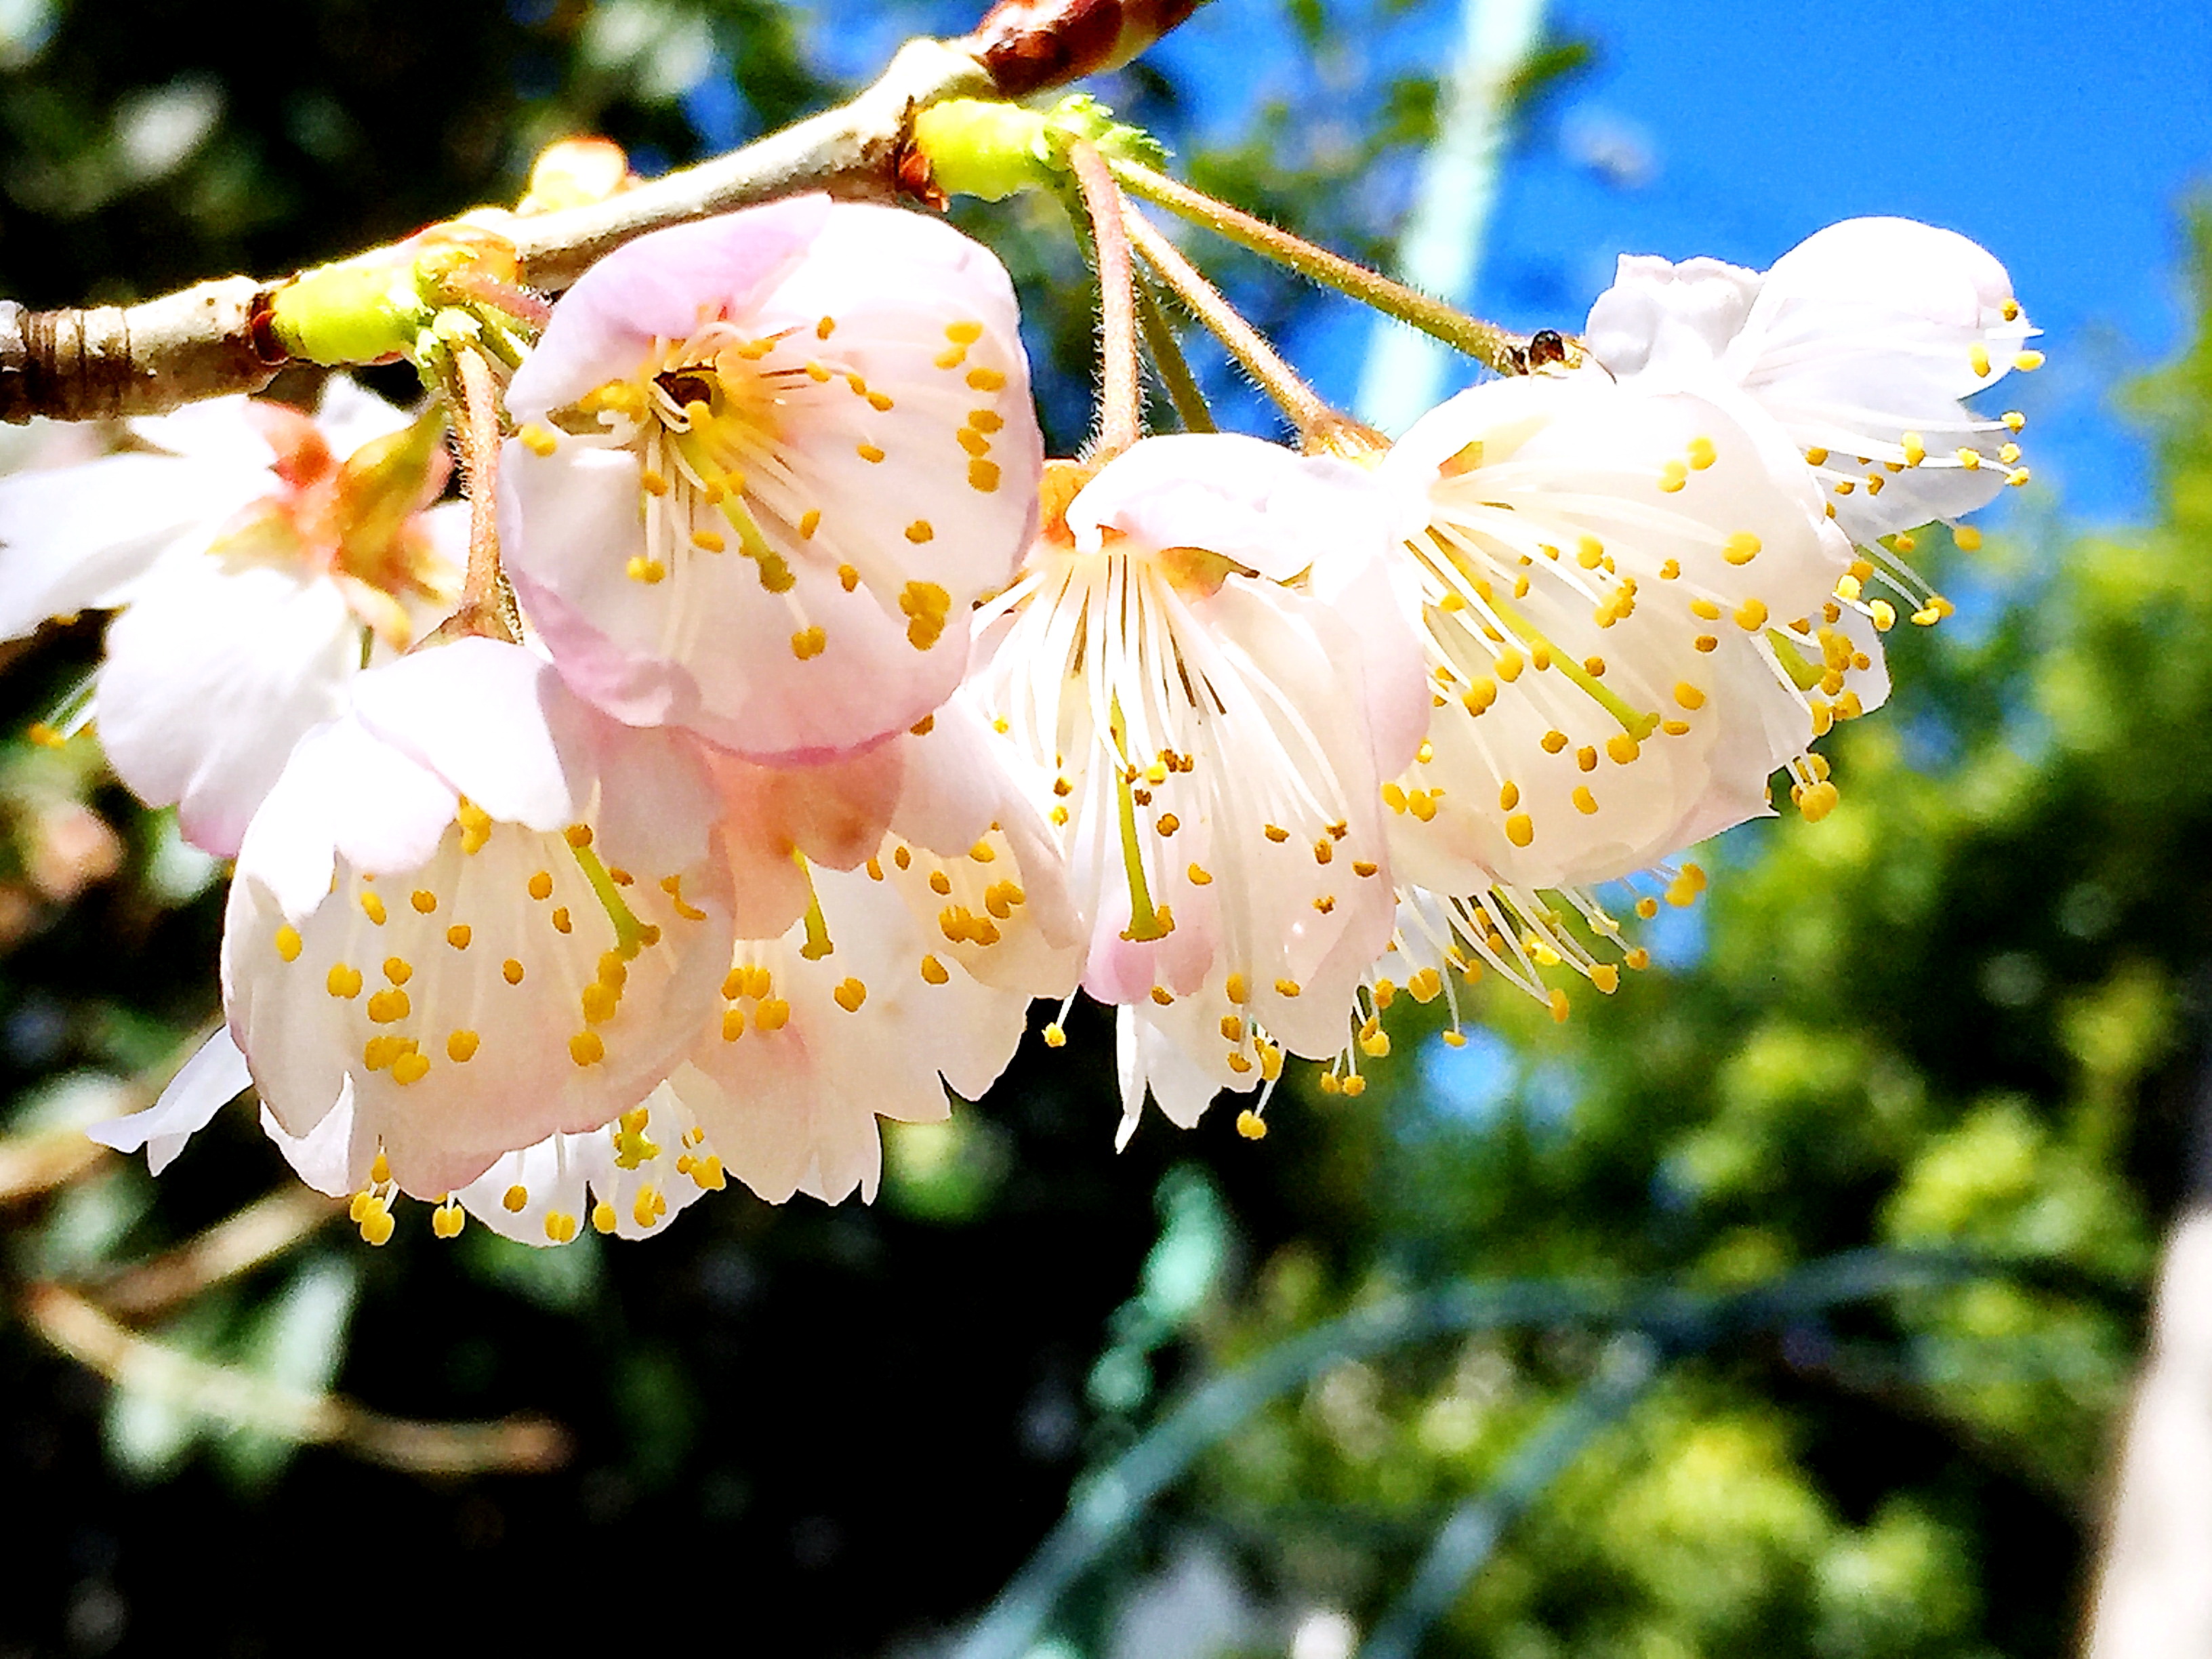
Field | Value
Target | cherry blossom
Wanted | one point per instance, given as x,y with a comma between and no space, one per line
473,913
257,558
1214,739
767,463
1862,343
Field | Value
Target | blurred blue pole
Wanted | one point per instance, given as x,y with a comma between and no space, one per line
1441,245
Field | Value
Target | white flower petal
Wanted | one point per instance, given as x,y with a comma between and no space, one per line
215,1076
211,678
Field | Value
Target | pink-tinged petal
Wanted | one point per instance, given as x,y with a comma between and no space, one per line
490,720
215,1076
212,677
342,792
659,285
814,1046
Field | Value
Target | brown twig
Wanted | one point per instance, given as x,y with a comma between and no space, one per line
36,1162
260,1232
1120,402
520,1445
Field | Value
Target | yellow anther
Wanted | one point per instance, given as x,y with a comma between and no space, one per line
1702,452
398,970
934,972
343,982
560,1228
921,530
869,453
986,380
587,1049
388,1007
1509,796
515,1200
1509,664
1585,803
809,643
560,918
1287,987
850,994
1978,358
511,971
1520,829
1235,989
773,1014
1673,477
1251,1125
2027,361
461,1045
640,568
447,1221
1200,876
1621,749
2014,419
708,541
809,522
372,906
1970,458
536,439
1558,1002
1586,758
600,1001
1689,696
1741,548
1751,615
982,476
1479,696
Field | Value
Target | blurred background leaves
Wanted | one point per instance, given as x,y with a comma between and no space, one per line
1964,1013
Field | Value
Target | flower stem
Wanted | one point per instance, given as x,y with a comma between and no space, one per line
487,605
1486,343
1121,422
1167,357
1305,407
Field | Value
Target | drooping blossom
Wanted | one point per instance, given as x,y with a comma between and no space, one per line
910,973
473,913
1862,343
1214,740
1631,619
258,557
767,463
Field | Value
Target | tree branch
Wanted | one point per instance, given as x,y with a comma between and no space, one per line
238,1244
525,1445
204,341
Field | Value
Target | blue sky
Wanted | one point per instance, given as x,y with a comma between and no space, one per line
2061,136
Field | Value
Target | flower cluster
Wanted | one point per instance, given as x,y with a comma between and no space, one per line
842,727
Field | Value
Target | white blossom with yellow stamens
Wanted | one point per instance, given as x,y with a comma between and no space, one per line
256,556
1626,599
473,913
911,972
1861,343
766,464
1214,739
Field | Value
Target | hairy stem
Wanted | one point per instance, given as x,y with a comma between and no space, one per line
1305,406
1121,422
1484,342
1166,352
487,607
